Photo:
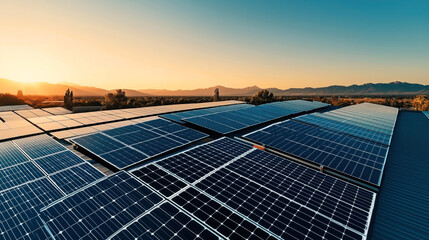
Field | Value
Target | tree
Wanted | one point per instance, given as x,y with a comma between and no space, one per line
68,100
261,97
115,100
20,94
216,95
8,99
421,103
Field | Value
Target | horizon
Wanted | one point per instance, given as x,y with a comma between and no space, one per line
187,45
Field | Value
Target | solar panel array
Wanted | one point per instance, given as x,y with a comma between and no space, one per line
344,127
231,121
125,146
13,126
35,171
67,121
57,110
14,108
351,148
32,113
221,189
176,117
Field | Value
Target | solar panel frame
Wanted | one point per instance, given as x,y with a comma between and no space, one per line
110,200
350,156
345,128
236,120
136,143
19,208
196,182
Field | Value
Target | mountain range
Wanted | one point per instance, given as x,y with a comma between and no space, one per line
392,88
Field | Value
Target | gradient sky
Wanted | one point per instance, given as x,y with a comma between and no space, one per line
192,44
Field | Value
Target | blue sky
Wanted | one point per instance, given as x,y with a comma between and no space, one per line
191,44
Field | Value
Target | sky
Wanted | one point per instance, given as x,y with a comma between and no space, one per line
191,44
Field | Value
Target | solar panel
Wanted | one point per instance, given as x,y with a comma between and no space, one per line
345,128
19,174
39,146
76,177
125,146
165,222
99,210
231,121
354,123
229,186
58,161
10,155
352,156
19,209
176,117
227,223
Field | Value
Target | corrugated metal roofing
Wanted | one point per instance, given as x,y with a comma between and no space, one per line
402,210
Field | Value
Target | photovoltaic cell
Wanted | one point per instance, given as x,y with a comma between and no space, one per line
345,128
76,177
176,117
10,155
274,195
19,209
353,156
223,220
283,217
39,146
165,222
58,161
126,146
18,174
160,180
99,210
231,121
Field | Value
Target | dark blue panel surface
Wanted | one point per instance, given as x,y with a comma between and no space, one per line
19,209
10,155
97,212
346,128
352,156
39,146
19,174
165,222
76,177
58,161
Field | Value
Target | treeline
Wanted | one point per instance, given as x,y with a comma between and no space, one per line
9,99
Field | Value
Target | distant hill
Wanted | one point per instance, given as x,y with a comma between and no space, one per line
43,88
224,91
393,88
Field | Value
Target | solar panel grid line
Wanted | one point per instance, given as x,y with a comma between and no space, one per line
165,223
136,219
345,128
354,123
182,178
202,188
339,134
25,172
367,117
192,185
232,209
295,179
19,210
110,191
364,121
307,145
270,178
